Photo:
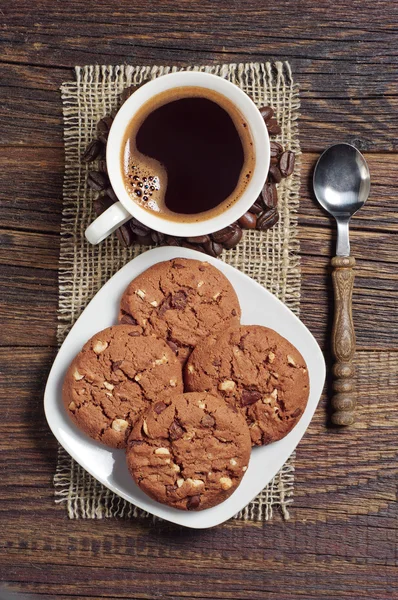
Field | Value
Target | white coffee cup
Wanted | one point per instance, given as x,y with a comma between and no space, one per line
122,211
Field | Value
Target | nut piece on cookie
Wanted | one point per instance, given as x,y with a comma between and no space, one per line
119,425
99,346
227,386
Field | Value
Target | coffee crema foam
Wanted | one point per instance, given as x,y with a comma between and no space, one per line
187,155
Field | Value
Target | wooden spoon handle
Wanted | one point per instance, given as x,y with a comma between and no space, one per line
343,341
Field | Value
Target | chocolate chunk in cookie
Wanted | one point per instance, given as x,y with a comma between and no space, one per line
192,454
117,375
256,370
181,301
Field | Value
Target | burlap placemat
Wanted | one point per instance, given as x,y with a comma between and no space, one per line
269,257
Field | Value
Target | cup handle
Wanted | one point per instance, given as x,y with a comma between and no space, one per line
107,223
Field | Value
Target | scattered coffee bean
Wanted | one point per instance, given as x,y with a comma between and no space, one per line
97,181
223,234
125,235
257,207
270,195
101,204
172,241
144,240
273,127
286,163
268,219
248,221
198,239
93,151
276,149
275,173
157,237
111,193
102,166
266,112
274,160
186,244
234,240
103,128
213,248
139,228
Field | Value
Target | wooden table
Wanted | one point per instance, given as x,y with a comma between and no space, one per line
341,541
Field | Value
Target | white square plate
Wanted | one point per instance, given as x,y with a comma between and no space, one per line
109,466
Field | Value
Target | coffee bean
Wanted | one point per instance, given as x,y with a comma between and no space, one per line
274,160
111,194
248,221
257,207
190,246
139,228
275,174
270,195
276,149
266,112
234,240
125,235
144,240
157,237
170,240
249,397
273,127
102,166
267,219
212,248
286,163
93,151
97,181
193,502
103,128
223,234
101,204
198,239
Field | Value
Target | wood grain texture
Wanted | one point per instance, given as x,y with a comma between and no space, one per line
343,341
342,539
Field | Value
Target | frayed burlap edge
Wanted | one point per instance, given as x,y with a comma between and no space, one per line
269,257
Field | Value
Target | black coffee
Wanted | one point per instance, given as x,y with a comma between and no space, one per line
187,152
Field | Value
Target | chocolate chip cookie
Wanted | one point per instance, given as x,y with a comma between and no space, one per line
116,376
181,301
256,370
189,451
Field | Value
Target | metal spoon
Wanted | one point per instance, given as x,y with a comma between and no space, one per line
341,185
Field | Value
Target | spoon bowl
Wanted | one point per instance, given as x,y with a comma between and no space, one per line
341,180
341,185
